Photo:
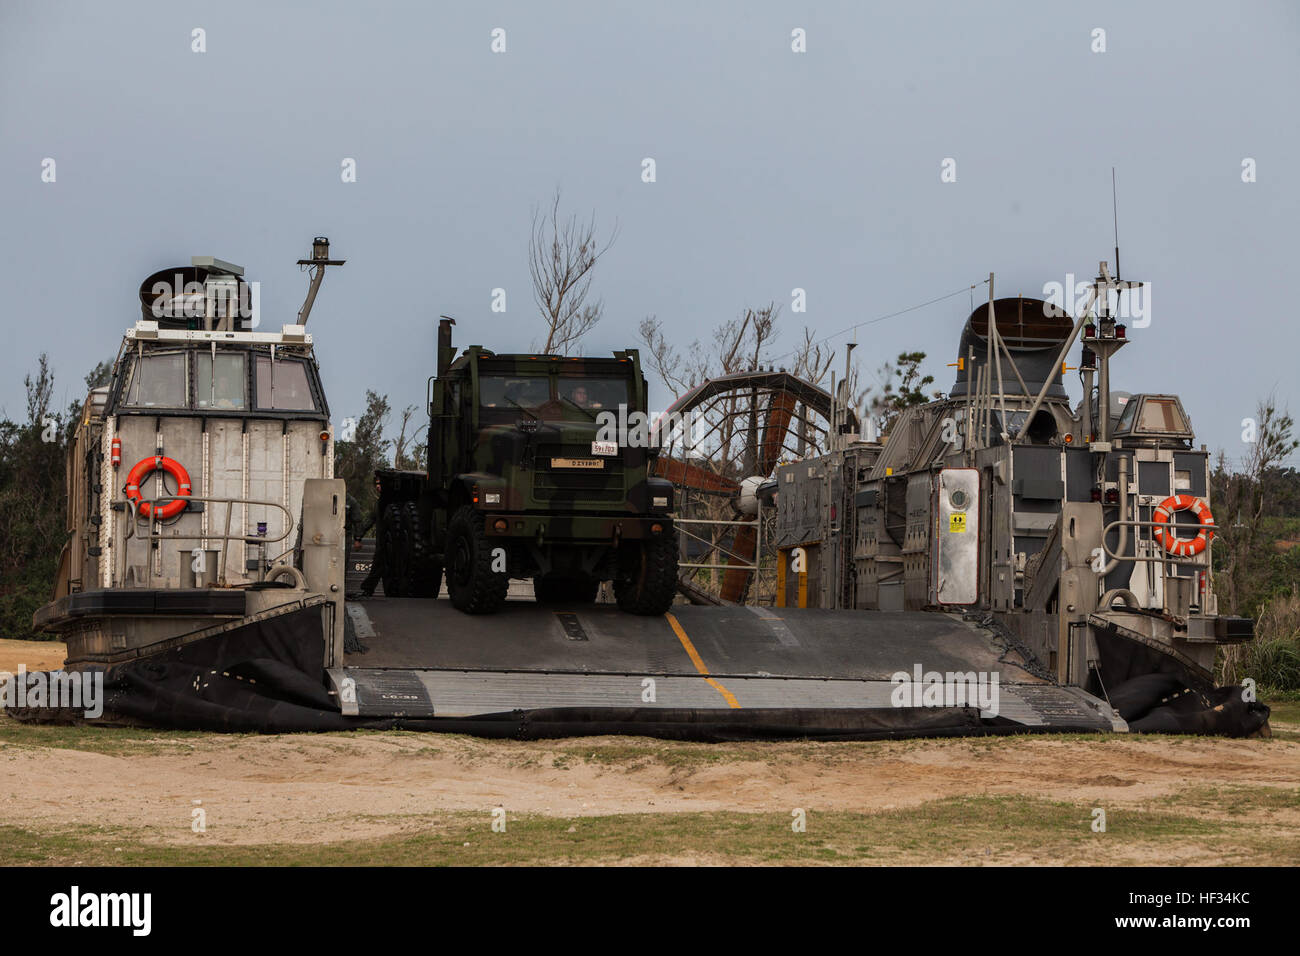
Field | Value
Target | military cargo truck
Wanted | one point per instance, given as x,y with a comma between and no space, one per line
530,476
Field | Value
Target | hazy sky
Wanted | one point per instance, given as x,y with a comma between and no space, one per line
775,170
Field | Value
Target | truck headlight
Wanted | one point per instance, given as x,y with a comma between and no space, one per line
659,501
492,498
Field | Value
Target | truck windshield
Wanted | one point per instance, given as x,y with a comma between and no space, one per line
552,399
598,394
511,391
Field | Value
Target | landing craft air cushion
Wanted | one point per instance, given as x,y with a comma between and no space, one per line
193,475
204,568
1085,533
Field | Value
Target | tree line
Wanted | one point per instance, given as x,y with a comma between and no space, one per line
33,498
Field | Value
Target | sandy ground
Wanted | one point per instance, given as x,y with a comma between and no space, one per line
320,788
34,655
268,789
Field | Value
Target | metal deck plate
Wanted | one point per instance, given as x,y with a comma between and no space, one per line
527,657
378,692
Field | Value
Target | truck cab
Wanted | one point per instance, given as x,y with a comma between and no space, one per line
533,472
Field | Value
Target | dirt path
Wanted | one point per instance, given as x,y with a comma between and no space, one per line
318,789
335,787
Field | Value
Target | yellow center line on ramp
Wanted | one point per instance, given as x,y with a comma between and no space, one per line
699,663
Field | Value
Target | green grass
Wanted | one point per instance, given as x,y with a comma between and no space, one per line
629,754
962,829
1232,800
144,742
1287,711
1284,719
113,741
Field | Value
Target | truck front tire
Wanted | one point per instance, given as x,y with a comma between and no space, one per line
472,584
647,575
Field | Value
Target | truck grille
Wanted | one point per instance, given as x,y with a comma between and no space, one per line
561,484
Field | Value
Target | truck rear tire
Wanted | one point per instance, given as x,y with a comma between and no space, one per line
409,568
421,573
549,589
391,560
472,584
647,575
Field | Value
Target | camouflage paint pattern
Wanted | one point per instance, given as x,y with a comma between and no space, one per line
508,426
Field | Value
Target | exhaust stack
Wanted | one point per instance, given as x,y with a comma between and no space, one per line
1032,331
446,352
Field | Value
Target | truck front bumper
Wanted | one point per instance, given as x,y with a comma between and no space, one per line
590,529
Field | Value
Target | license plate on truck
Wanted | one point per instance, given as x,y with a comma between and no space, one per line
591,464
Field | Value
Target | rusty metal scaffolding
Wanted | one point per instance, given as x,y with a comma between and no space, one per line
724,431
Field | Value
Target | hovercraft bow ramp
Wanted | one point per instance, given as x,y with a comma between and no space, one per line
701,672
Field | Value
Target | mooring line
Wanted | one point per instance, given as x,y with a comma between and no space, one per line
699,663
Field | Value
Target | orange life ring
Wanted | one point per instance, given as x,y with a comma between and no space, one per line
1170,541
146,466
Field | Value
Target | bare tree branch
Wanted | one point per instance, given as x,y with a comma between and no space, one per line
561,256
665,360
408,454
812,360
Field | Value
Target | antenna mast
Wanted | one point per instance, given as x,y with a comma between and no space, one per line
320,258
1114,208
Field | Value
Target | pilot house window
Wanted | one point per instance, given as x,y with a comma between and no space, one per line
283,385
225,388
1161,415
158,381
1126,420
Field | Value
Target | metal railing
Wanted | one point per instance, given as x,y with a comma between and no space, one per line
133,506
762,575
742,564
1162,558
